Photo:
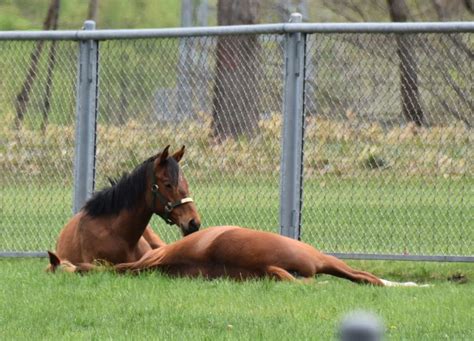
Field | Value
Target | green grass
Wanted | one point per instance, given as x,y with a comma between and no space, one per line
152,306
339,215
29,15
411,215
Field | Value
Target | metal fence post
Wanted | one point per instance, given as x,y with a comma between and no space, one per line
86,120
183,89
293,125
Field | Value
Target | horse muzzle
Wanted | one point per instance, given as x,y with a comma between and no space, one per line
193,226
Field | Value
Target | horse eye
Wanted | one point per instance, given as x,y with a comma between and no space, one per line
168,186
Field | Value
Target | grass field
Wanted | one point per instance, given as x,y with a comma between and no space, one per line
422,204
371,216
152,306
339,215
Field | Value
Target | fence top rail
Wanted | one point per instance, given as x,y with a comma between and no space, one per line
409,27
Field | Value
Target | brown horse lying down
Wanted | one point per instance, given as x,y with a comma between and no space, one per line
114,224
238,253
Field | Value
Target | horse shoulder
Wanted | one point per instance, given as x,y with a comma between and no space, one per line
68,243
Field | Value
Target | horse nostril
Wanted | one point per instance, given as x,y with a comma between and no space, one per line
193,226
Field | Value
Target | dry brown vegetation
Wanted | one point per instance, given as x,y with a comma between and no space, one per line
341,148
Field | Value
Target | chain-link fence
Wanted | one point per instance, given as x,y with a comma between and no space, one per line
146,103
37,115
376,181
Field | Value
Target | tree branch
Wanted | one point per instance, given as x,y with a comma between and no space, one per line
23,96
51,63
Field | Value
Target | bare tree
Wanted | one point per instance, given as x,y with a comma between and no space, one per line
51,63
444,8
356,11
451,9
469,4
440,7
411,107
53,18
23,96
284,8
236,89
93,10
123,103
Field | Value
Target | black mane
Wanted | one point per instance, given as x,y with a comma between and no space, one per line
122,194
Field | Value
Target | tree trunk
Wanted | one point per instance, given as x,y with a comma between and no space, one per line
469,4
236,91
51,64
451,9
93,10
122,112
23,96
411,107
440,8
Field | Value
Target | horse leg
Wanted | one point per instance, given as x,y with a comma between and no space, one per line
279,273
151,260
148,241
152,238
333,266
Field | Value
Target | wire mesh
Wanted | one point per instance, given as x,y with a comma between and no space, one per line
200,92
388,138
377,180
37,115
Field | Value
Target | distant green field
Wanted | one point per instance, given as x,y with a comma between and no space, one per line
418,203
29,15
368,216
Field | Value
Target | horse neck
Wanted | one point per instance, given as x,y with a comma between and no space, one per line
131,223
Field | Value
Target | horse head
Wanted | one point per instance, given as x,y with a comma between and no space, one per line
56,264
169,192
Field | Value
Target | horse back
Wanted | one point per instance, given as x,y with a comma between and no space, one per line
239,247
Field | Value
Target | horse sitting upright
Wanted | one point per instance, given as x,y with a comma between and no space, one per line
113,225
239,253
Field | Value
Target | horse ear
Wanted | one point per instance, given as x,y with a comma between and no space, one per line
53,259
179,154
164,154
